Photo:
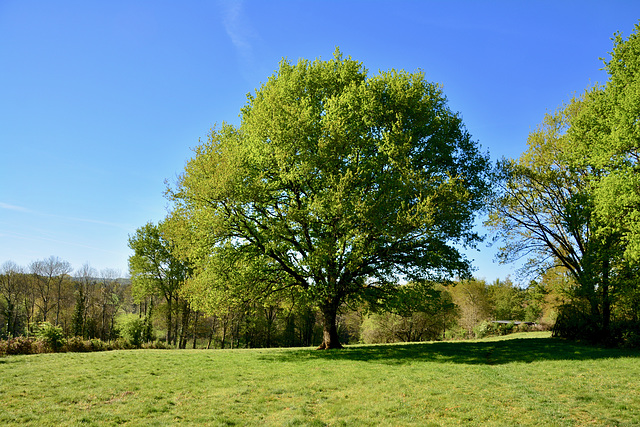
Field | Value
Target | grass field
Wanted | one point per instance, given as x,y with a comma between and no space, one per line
522,379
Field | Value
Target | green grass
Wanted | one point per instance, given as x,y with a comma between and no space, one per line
523,379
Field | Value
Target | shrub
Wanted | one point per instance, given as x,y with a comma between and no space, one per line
483,329
18,345
120,344
631,339
51,336
77,345
373,330
506,328
624,333
97,345
133,329
458,333
157,344
487,329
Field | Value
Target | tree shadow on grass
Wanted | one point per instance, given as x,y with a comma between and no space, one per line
517,350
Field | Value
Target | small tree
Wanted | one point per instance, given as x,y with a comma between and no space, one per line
473,302
52,336
133,329
156,270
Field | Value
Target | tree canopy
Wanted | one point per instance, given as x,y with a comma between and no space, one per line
337,184
573,198
608,130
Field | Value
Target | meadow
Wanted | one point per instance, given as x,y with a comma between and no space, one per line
522,379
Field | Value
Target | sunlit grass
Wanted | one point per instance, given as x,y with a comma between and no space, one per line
523,380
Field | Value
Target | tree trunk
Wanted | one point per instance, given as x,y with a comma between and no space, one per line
186,317
195,330
169,320
176,331
224,332
606,301
330,339
213,331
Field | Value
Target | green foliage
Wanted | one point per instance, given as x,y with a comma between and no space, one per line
153,266
335,183
77,321
552,207
608,130
473,302
134,329
156,270
484,329
487,329
52,336
77,345
507,300
421,312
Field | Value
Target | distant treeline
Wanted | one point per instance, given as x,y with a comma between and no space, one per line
86,304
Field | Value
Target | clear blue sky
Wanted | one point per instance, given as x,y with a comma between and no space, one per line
101,102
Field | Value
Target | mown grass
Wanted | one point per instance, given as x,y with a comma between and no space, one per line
524,379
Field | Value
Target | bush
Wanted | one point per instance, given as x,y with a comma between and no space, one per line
631,339
484,329
120,344
157,344
51,336
134,329
487,329
575,323
18,345
77,345
458,333
624,334
506,328
373,330
97,345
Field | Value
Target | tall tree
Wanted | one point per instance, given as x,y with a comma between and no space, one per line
608,130
507,300
337,183
110,298
545,211
50,275
12,290
473,301
85,284
155,269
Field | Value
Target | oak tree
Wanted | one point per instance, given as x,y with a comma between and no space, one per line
337,183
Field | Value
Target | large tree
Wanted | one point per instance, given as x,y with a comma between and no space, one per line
545,211
608,130
575,195
337,183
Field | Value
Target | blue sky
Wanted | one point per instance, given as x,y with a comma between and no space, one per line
101,102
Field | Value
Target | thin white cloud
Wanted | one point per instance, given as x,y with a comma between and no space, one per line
66,218
93,221
235,26
14,208
242,36
42,238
